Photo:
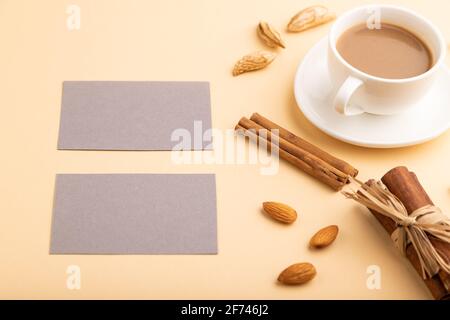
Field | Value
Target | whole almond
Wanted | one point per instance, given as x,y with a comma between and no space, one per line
253,62
269,35
324,237
280,212
309,18
297,274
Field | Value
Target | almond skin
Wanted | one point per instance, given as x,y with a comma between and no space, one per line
298,273
310,18
280,212
324,237
252,62
270,35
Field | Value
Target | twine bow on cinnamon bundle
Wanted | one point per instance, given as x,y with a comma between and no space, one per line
414,228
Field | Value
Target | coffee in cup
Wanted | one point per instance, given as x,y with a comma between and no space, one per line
388,51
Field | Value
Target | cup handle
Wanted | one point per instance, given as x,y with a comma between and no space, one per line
344,95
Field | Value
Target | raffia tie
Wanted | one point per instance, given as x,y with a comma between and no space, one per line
414,228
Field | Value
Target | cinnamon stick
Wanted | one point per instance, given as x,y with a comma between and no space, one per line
304,160
291,159
305,145
407,188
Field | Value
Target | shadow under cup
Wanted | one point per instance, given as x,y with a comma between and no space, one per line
380,95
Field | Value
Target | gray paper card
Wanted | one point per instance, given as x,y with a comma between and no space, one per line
134,214
118,115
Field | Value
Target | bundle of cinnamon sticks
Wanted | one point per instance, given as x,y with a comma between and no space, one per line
311,159
406,187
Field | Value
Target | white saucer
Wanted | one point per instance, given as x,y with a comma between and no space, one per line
426,121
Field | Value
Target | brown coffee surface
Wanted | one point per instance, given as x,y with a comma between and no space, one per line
391,52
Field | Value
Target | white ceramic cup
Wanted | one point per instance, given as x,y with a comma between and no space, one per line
357,92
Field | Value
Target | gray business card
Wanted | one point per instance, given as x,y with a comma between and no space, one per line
134,214
122,115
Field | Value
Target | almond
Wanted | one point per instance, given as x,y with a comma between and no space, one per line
280,212
269,35
309,18
297,274
253,62
324,237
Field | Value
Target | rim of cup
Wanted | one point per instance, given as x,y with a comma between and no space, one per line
442,50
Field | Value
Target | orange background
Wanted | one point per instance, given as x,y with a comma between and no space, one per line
188,40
